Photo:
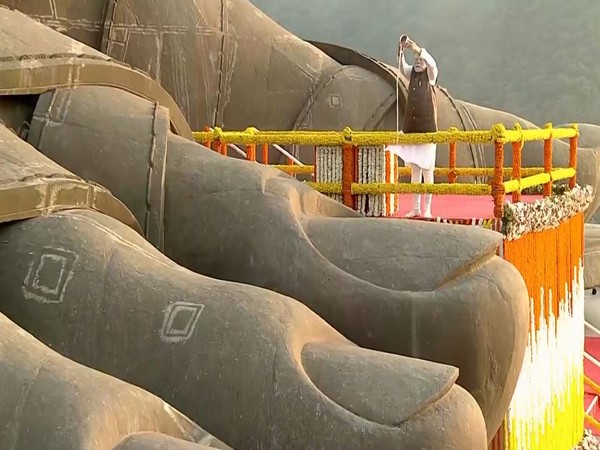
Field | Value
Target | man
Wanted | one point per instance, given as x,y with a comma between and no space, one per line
420,116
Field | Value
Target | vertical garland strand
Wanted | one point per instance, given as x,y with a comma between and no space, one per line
546,411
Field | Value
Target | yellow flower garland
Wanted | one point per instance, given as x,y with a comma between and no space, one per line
439,171
498,133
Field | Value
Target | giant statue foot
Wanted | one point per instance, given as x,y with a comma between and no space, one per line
257,369
49,402
155,441
430,291
465,309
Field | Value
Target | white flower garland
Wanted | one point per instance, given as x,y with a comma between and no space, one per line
329,167
545,213
371,169
552,367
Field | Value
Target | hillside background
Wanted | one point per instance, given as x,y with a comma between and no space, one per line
539,59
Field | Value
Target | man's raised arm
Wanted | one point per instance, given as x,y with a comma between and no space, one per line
432,69
405,68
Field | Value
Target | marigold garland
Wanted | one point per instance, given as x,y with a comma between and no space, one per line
549,415
325,188
498,133
294,168
421,188
452,172
439,171
548,161
517,166
573,158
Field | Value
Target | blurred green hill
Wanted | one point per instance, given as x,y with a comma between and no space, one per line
539,59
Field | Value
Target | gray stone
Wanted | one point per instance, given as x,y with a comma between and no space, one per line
247,363
388,285
257,369
49,402
235,67
156,441
591,256
417,289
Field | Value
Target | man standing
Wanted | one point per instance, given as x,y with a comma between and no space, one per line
420,116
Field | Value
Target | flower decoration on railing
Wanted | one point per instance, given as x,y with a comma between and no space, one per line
355,168
548,212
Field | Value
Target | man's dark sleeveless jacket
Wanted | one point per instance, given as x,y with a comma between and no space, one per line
420,115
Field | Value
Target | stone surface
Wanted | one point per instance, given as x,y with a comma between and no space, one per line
256,369
226,218
416,289
235,67
32,185
49,402
591,274
156,441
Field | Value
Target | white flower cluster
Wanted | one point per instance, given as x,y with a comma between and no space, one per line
589,442
371,169
546,213
328,164
551,378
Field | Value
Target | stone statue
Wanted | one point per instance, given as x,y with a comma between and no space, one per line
183,179
414,289
49,402
257,369
229,65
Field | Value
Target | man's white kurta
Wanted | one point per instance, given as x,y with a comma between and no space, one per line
422,155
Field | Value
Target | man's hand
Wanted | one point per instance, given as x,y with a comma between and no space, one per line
402,43
414,47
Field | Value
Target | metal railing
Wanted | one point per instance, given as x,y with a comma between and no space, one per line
349,142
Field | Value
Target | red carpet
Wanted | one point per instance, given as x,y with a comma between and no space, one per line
459,206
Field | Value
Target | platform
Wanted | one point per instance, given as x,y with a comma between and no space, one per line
592,347
458,207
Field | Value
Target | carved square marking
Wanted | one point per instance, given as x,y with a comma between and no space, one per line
49,274
180,321
335,100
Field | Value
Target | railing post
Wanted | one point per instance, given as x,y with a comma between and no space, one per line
548,161
251,152
223,148
207,142
348,172
497,184
517,163
452,159
573,156
265,154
